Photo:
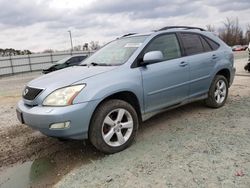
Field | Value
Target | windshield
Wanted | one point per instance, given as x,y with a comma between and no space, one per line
116,52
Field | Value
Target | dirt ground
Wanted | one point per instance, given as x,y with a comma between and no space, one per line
192,146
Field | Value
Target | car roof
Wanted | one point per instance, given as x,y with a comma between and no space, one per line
169,29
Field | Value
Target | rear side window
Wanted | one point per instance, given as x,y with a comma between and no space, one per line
168,44
192,43
206,46
212,44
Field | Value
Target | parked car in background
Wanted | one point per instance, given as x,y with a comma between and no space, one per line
126,82
239,48
245,47
66,62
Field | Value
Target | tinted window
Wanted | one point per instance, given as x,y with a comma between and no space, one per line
167,44
213,44
73,60
192,43
205,44
81,58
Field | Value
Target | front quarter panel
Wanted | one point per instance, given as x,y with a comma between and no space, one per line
118,80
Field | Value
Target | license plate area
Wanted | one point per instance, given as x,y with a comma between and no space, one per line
20,116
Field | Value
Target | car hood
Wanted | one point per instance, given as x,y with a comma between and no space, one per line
68,76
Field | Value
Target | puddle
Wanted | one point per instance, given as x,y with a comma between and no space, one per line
27,174
47,171
53,160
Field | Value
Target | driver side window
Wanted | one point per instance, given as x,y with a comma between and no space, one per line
167,44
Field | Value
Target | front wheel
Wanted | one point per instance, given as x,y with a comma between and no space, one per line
218,92
114,126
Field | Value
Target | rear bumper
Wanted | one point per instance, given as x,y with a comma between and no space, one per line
40,118
232,76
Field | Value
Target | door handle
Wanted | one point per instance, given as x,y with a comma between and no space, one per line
214,56
183,64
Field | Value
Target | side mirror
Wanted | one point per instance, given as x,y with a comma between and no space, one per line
152,57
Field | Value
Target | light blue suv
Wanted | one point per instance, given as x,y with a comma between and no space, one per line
126,82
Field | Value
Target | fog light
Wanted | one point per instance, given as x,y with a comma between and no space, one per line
63,125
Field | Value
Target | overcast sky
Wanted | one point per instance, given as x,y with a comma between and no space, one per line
43,24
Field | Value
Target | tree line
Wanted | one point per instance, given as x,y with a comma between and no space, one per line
13,52
232,33
91,46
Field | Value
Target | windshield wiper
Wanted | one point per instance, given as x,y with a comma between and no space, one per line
96,64
93,64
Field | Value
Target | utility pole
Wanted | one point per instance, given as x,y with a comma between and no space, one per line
71,40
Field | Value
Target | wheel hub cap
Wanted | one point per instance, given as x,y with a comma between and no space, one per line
220,91
117,127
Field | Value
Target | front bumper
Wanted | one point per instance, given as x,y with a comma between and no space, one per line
41,117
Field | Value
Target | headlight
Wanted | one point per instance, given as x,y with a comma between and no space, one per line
63,96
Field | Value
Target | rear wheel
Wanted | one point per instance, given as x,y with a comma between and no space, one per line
114,126
218,92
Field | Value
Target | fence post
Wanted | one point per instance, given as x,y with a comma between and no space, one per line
11,65
51,57
29,62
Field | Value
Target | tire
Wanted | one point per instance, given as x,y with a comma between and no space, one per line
62,139
247,67
107,126
217,96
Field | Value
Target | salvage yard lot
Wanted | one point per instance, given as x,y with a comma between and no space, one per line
192,146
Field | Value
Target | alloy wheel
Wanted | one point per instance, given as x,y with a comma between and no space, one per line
220,91
117,127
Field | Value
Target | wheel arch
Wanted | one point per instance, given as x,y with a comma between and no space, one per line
127,96
226,73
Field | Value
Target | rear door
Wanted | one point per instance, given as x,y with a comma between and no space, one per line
165,82
201,59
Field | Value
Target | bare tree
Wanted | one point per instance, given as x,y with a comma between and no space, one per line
247,35
94,45
85,47
48,51
231,33
210,28
77,48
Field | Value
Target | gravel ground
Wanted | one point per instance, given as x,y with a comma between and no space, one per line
192,146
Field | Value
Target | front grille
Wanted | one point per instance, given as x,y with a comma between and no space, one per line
30,93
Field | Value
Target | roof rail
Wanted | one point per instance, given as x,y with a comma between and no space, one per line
181,27
128,34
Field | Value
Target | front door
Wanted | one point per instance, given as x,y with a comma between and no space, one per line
165,83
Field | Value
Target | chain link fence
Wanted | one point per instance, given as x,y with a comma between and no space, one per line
35,62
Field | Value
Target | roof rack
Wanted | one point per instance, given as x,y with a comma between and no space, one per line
181,27
129,34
